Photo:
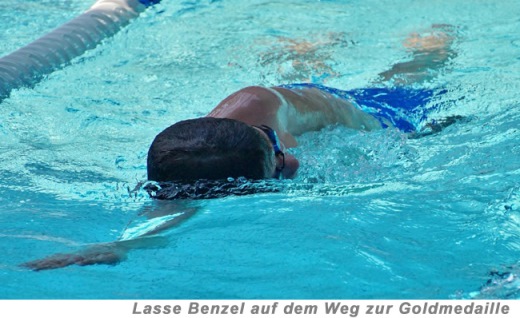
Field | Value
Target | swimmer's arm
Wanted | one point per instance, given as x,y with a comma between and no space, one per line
420,69
291,112
112,253
311,109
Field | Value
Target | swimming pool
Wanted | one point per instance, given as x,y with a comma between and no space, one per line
371,215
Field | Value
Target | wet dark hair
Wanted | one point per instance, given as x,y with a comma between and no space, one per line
210,189
209,148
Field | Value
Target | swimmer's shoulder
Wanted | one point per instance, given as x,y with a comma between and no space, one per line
265,97
254,105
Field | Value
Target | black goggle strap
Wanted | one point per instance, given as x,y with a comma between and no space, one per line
273,137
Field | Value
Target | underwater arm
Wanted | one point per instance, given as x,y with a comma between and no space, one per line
106,253
111,253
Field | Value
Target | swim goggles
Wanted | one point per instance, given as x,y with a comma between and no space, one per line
273,138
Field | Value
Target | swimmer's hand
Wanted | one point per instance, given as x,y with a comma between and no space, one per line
436,126
110,254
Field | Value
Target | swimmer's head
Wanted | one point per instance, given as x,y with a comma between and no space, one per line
210,148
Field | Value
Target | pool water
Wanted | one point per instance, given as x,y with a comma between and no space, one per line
371,214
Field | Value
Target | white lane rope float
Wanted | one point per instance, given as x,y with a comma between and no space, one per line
28,65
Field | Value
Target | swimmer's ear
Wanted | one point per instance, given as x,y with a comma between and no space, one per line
291,166
289,141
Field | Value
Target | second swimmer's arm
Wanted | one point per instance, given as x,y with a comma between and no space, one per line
429,54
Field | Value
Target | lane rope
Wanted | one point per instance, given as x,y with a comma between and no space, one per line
28,65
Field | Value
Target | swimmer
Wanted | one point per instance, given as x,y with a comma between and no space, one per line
250,133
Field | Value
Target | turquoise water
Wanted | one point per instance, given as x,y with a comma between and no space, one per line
371,215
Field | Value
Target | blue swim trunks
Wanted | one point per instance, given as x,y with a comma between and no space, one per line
406,108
